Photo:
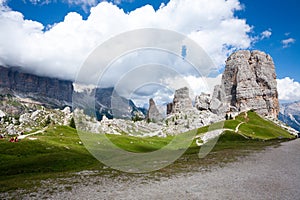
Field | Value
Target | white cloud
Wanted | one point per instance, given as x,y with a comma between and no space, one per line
3,6
287,42
288,89
60,50
266,34
117,2
85,4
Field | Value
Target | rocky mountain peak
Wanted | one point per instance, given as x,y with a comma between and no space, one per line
181,101
153,113
249,82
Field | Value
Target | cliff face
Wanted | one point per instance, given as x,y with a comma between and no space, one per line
153,113
249,82
40,86
181,101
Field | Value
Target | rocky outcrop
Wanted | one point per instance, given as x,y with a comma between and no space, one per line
217,104
153,113
34,120
249,82
202,102
181,101
106,102
32,85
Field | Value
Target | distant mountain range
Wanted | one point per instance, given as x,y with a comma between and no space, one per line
290,114
56,93
49,91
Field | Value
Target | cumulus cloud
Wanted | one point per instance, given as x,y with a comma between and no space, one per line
288,89
266,34
287,42
60,49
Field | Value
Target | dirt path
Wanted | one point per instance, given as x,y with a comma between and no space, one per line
238,126
30,134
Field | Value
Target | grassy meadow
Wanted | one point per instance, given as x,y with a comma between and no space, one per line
58,151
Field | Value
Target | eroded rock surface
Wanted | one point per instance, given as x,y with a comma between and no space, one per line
249,82
153,113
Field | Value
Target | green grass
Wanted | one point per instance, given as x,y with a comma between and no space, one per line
139,145
59,151
253,127
257,128
55,151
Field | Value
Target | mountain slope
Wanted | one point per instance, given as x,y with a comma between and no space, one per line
55,93
51,92
252,126
290,114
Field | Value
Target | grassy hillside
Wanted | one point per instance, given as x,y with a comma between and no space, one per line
255,127
252,126
59,149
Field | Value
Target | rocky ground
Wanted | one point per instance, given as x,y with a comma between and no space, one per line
269,174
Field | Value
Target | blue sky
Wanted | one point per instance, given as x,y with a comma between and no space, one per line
282,18
274,28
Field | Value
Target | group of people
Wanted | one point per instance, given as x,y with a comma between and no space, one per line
14,139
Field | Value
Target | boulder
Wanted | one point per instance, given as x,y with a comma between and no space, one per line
2,114
202,102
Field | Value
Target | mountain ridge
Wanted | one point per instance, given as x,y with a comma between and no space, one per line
290,114
54,92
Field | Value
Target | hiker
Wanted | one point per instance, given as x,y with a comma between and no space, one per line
14,139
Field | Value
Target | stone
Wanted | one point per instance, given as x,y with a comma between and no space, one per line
2,114
249,82
181,101
202,102
153,113
218,103
56,93
28,83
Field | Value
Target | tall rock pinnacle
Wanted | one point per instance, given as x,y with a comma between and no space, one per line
249,82
153,113
181,101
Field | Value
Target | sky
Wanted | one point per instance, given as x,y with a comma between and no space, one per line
54,37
